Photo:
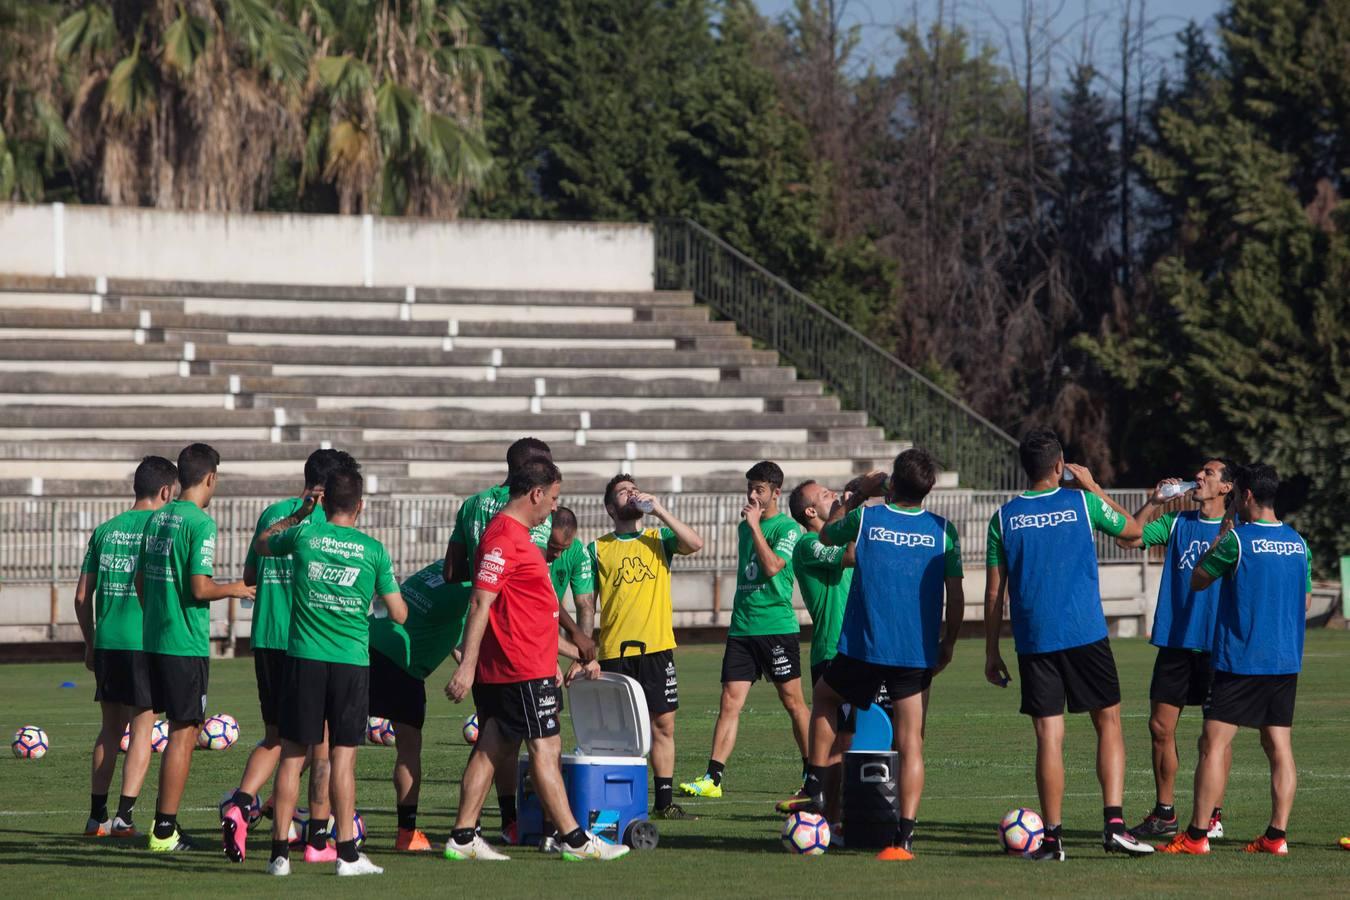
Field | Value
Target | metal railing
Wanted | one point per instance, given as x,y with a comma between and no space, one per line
903,402
43,540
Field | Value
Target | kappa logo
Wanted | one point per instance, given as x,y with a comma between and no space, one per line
632,570
900,538
1192,554
1043,520
1280,548
342,576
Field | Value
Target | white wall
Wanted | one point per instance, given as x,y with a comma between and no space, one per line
122,242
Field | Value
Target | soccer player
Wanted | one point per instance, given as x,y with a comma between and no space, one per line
907,562
174,582
1183,630
764,638
401,658
824,575
510,664
1266,572
271,633
1042,552
111,623
569,566
336,571
637,637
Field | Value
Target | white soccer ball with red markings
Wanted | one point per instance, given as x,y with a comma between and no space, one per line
806,834
380,731
126,739
1021,831
159,736
219,732
30,742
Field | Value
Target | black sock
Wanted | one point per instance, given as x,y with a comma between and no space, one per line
281,850
1274,834
1217,814
1196,834
318,834
813,782
347,851
508,808
1052,833
904,832
243,801
1165,811
462,835
165,825
665,792
125,807
1114,818
407,816
575,838
806,764
98,806
715,770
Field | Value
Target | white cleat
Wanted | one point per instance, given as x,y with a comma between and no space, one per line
1215,829
1124,842
477,848
594,848
281,866
362,866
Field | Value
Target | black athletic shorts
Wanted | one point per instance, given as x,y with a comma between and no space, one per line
1252,701
1085,676
656,673
1181,677
269,666
394,694
523,710
858,682
847,720
122,676
178,686
777,657
316,693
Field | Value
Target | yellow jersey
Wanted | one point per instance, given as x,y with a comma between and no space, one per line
632,587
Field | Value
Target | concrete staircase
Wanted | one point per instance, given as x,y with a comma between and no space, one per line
426,386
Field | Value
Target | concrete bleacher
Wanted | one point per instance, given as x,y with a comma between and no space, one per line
426,386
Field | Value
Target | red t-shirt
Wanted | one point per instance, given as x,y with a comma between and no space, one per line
521,641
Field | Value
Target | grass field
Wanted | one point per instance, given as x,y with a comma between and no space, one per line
979,765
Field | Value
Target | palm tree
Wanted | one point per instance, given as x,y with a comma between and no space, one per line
33,138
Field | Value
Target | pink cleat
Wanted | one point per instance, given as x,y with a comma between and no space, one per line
327,855
234,833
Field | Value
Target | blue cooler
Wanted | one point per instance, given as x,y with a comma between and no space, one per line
606,776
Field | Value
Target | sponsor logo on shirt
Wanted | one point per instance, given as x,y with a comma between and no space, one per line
158,546
342,576
112,563
491,566
1192,554
349,549
1109,511
900,538
1043,520
752,570
209,552
1281,548
632,570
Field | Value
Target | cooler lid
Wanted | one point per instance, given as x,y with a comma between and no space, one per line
609,716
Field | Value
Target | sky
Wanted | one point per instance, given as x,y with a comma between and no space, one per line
1091,23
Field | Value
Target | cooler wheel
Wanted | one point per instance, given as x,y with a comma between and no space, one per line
641,835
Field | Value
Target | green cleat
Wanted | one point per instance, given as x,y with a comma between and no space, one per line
703,786
174,843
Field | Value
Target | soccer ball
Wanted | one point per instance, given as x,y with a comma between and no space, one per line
357,819
126,739
380,731
471,729
30,742
1021,831
806,834
219,732
254,810
299,830
159,736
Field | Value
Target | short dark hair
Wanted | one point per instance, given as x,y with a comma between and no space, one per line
342,490
1261,479
1230,468
154,473
767,472
324,462
565,519
195,462
524,450
913,475
797,502
854,485
614,483
535,473
1039,450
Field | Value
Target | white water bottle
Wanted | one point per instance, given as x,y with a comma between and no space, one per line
379,609
1168,491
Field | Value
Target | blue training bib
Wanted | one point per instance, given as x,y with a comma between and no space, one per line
1262,603
1184,619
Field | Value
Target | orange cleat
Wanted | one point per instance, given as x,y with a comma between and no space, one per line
1263,844
1345,843
1183,844
412,840
895,854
